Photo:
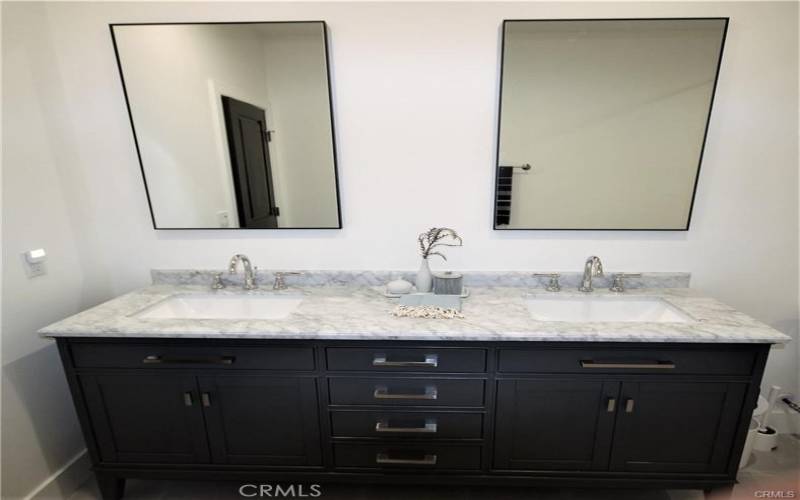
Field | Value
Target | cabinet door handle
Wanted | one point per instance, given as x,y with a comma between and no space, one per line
655,365
382,392
430,427
187,399
160,360
206,399
611,405
431,361
385,458
629,405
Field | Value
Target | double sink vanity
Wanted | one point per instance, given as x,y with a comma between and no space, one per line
316,381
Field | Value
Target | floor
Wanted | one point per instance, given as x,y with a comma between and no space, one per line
775,473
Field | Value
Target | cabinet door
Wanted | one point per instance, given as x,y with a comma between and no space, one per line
547,424
146,418
676,426
258,420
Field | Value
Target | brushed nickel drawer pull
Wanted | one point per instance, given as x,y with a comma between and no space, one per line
431,361
382,392
429,427
611,405
158,360
384,458
658,365
629,405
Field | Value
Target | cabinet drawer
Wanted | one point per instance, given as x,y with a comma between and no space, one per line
397,359
406,391
164,356
667,361
415,425
407,456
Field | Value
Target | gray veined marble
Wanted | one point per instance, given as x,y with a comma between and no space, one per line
349,306
379,278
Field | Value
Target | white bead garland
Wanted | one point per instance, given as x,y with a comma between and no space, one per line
427,312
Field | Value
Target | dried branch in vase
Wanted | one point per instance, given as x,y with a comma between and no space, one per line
438,237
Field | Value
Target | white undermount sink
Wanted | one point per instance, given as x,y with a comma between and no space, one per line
212,306
604,309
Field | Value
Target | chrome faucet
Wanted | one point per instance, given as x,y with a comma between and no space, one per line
249,270
592,268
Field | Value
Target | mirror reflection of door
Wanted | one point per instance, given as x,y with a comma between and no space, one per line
205,170
247,133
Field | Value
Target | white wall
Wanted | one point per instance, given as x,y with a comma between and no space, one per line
45,204
415,98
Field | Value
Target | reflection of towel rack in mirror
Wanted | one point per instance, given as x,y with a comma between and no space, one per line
524,166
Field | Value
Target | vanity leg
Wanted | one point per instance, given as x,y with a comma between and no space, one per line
111,487
719,493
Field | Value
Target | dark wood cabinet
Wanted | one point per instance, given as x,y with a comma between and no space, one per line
668,426
523,413
184,419
259,420
146,417
554,424
653,426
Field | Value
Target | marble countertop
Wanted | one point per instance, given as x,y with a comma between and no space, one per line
359,312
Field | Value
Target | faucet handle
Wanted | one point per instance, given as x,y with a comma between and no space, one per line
618,285
553,285
280,283
217,283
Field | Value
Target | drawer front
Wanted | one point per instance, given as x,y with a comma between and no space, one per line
404,424
666,361
406,391
163,356
417,359
407,456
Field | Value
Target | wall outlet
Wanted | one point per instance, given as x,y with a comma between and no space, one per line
35,270
33,262
224,218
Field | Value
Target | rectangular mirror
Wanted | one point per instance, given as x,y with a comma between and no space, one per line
603,122
233,123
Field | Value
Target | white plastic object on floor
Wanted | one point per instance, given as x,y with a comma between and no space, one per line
752,431
767,437
761,408
772,397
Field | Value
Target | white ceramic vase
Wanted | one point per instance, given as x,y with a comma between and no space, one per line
424,279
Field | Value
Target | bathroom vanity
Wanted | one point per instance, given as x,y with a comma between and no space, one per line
338,390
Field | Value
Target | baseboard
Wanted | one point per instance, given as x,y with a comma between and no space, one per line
63,482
